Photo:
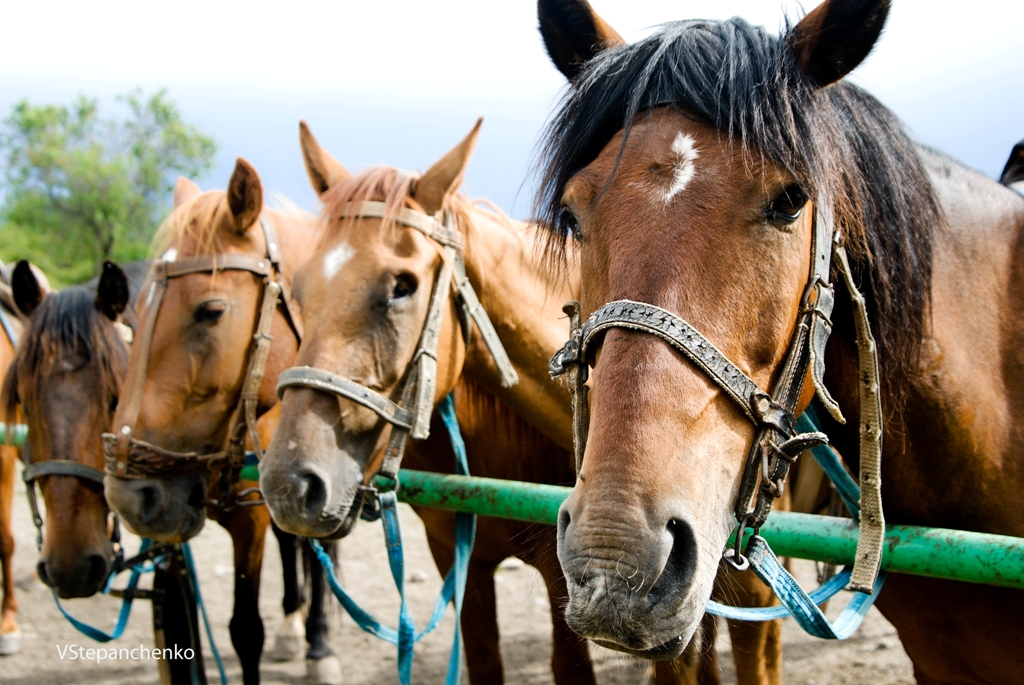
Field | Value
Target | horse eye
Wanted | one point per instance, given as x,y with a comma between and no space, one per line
210,312
787,205
567,222
113,404
405,285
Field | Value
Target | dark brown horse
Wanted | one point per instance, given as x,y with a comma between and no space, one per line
73,355
690,168
190,374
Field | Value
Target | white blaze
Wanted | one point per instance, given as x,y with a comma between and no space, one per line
682,166
337,258
170,255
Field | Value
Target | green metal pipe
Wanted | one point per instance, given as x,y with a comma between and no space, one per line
934,552
19,433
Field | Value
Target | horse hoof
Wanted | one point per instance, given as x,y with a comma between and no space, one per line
288,639
326,671
10,643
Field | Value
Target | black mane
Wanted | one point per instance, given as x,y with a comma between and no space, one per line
67,324
850,153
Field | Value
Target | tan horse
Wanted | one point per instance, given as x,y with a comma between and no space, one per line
190,374
683,165
324,449
10,634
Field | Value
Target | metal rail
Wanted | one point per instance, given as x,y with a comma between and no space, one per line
934,552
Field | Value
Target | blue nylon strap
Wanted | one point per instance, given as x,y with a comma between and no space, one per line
126,605
194,578
803,609
822,594
803,606
453,589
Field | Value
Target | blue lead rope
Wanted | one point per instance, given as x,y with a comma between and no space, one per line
803,606
454,587
126,607
126,604
194,578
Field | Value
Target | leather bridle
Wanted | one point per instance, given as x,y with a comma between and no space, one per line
410,416
128,457
776,444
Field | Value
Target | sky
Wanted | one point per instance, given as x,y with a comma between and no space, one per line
401,82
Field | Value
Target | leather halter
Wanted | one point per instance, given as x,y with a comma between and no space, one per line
776,444
130,458
411,415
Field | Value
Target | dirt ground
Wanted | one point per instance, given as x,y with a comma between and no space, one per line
871,657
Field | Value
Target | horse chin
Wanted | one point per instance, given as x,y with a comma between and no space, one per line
664,652
348,523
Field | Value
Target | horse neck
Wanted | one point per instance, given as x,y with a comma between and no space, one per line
524,303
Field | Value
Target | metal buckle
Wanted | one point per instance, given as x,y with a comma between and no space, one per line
734,555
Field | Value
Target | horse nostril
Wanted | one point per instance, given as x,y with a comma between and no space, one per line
150,500
43,575
197,495
98,569
315,491
681,566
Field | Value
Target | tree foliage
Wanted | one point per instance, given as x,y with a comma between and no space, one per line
79,187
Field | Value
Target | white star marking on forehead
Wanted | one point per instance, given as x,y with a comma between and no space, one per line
337,258
683,169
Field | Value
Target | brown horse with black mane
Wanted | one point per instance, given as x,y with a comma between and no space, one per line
691,168
73,354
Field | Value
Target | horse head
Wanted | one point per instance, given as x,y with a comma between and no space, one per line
694,169
65,380
366,298
182,412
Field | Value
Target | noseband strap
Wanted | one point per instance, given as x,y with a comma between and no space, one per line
325,381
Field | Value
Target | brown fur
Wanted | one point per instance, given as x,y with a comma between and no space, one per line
8,457
195,374
520,433
665,445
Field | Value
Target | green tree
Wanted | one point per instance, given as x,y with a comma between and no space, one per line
79,188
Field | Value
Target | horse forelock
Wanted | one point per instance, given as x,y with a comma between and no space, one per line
386,184
850,154
197,222
66,323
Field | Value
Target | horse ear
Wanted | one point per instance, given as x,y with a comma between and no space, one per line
1013,172
836,36
324,171
573,34
29,286
245,196
442,179
184,190
112,291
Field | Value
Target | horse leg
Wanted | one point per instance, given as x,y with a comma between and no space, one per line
479,615
322,665
698,664
248,528
756,647
10,635
176,623
570,657
291,633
